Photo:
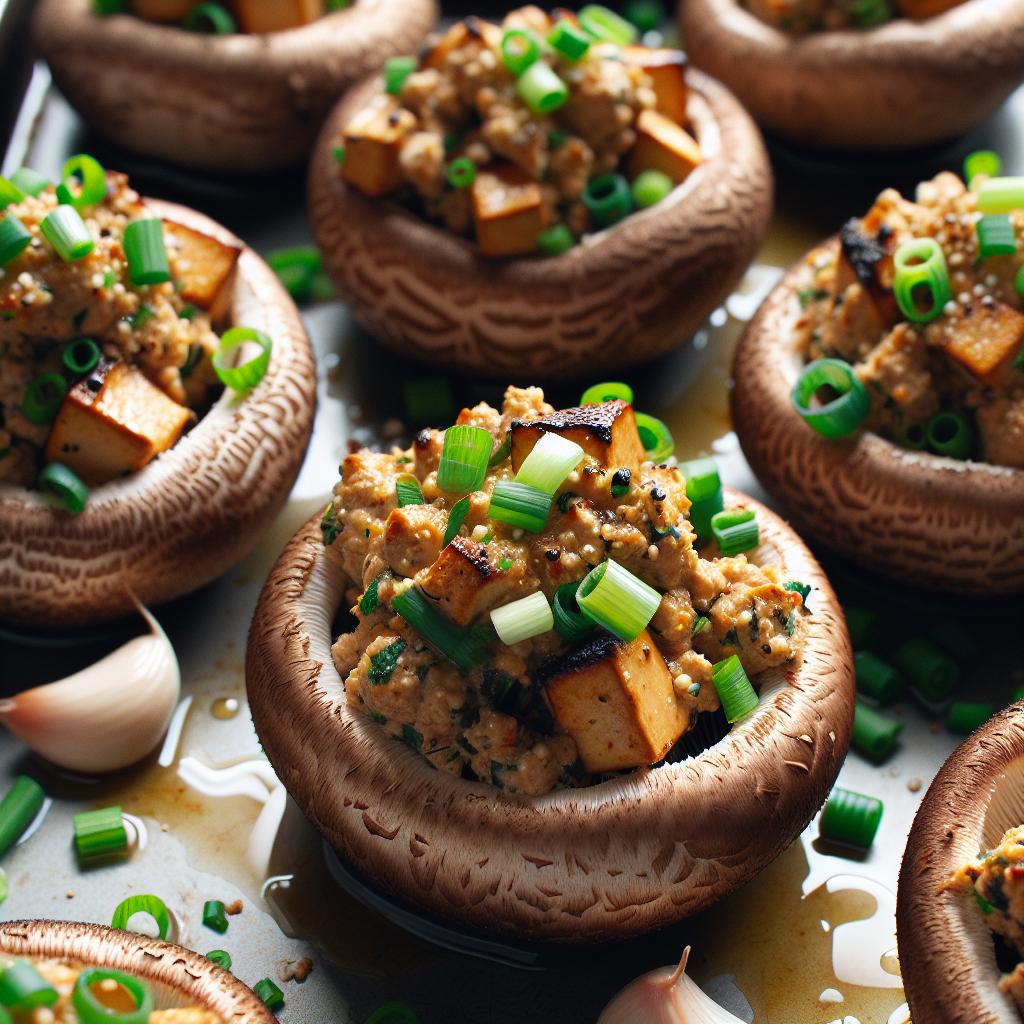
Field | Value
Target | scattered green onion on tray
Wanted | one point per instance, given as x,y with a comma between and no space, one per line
850,818
221,957
269,993
864,625
875,735
877,679
18,809
214,916
100,833
931,671
393,1013
147,904
965,716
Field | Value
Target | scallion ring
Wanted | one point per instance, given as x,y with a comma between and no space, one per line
850,818
965,716
650,187
931,671
396,71
608,199
55,478
43,397
214,19
734,689
407,491
80,356
244,376
877,679
655,437
914,436
870,13
23,988
147,904
540,88
949,434
464,457
88,175
921,265
215,916
220,957
611,596
571,624
996,236
461,172
555,240
982,161
100,833
522,619
519,50
520,505
269,993
145,252
568,40
875,735
14,239
607,391
840,416
602,23
65,230
456,517
1001,195
549,462
736,531
87,1000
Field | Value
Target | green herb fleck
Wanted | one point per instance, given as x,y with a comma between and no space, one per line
413,738
797,587
809,295
329,524
731,639
403,460
382,664
144,315
699,624
338,152
192,360
379,718
504,564
370,601
453,755
187,312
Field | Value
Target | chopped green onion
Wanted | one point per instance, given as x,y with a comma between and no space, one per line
43,397
863,624
456,517
555,240
850,818
933,673
650,187
700,623
461,172
502,452
18,809
464,458
646,15
428,401
465,648
734,689
803,589
370,601
608,391
1001,195
875,735
949,434
1018,283
704,489
601,23
338,153
655,437
9,193
142,317
840,416
914,437
396,71
878,679
14,239
520,505
297,269
608,199
65,230
616,600
267,991
519,50
80,356
986,907
221,957
57,479
214,916
519,620
568,40
954,639
393,1013
92,1010
93,179
869,13
966,716
921,263
407,491
996,236
23,988
212,18
571,624
244,376
30,182
541,89
736,530
550,461
982,161
100,833
144,249
147,904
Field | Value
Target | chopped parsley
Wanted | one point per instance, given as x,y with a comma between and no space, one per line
700,623
412,738
382,664
370,602
731,639
195,355
378,717
329,525
797,587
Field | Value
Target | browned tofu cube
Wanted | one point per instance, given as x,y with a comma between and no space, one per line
464,584
114,422
925,8
866,258
162,10
203,266
412,537
471,31
667,72
617,702
373,143
276,15
987,340
606,432
661,145
508,211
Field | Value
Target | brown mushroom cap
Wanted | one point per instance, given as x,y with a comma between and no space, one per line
172,970
946,951
608,861
904,84
193,512
943,523
624,295
237,103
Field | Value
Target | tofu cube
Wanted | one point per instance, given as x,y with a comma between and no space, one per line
508,211
987,340
662,145
276,15
412,537
667,72
606,432
373,143
203,266
470,31
464,584
114,422
865,258
162,10
617,702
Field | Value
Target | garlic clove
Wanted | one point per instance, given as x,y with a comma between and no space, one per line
106,716
665,996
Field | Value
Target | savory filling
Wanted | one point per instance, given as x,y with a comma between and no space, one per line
62,992
227,18
914,320
996,879
800,16
539,601
528,135
107,349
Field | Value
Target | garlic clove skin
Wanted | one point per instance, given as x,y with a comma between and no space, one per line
107,716
665,996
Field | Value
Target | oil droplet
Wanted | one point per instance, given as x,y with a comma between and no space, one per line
225,708
830,995
891,963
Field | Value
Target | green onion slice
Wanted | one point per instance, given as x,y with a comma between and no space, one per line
931,671
550,461
875,735
221,957
100,833
57,479
863,624
428,401
14,239
214,916
877,678
611,596
655,437
949,434
608,199
88,176
842,415
396,71
145,251
651,187
461,172
464,457
502,452
607,391
601,23
370,601
982,161
921,264
393,1013
297,269
996,236
568,40
244,376
850,818
1001,195
465,648
29,181
519,620
734,689
91,1009
914,437
704,489
18,809
147,904
555,240
965,716
572,625
214,19
519,50
80,356
700,623
266,990
541,89
456,517
736,530
520,505
43,397
9,193
646,15
23,988
65,230
407,491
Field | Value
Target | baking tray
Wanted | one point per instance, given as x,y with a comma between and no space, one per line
810,941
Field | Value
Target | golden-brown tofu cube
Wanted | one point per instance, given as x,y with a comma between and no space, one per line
114,422
508,210
204,266
866,258
925,8
162,10
616,700
606,432
471,31
276,15
373,143
662,145
987,340
464,584
667,72
412,537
